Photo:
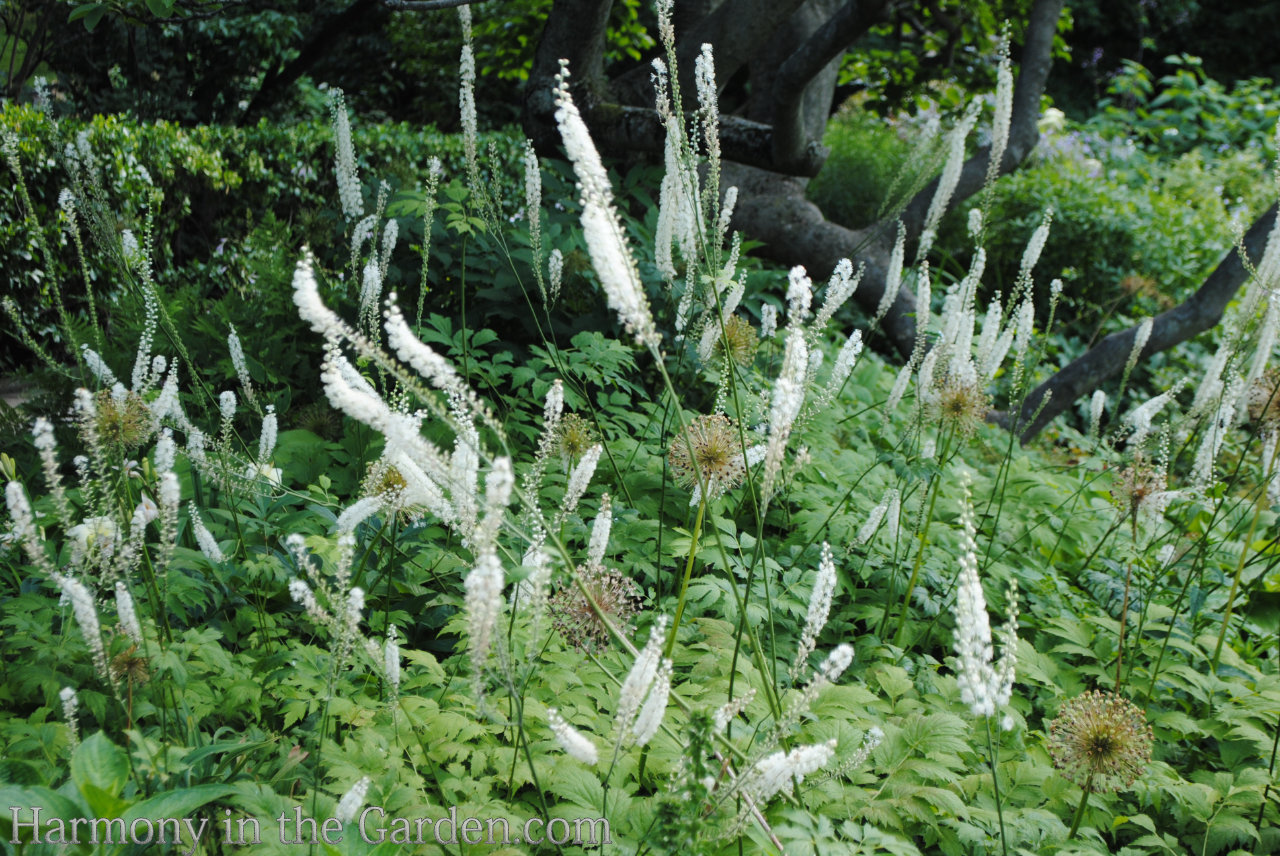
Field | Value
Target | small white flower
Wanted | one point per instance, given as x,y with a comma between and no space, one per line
351,801
128,615
575,744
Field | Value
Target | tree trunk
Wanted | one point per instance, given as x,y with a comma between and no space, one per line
1198,313
772,207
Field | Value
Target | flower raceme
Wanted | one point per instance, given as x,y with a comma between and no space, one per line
985,686
610,255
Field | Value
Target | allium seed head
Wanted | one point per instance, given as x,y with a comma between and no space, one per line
712,447
574,436
1100,741
738,341
617,596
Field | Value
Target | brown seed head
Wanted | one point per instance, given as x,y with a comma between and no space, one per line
617,596
712,446
738,341
124,424
1101,741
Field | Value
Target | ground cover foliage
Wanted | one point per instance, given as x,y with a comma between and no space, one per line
679,555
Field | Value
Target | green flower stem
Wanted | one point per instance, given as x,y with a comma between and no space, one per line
1244,554
684,585
1084,801
995,784
915,568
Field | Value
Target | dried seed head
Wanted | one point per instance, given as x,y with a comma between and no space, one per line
574,436
960,403
122,424
738,341
1100,741
1141,488
617,596
713,448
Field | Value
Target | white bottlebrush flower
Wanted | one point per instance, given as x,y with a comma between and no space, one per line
19,510
780,771
483,606
239,363
635,688
1097,404
266,440
47,447
900,384
975,214
1214,436
1000,122
888,507
606,240
948,180
99,368
370,289
1025,322
678,220
984,686
1210,386
437,370
227,406
845,361
1141,417
726,214
1140,339
169,492
204,538
357,512
306,297
824,587
649,719
768,320
166,452
840,287
70,705
599,542
788,396
555,273
835,663
128,615
345,159
351,802
391,660
574,743
580,478
893,275
1035,246
86,615
467,96
799,296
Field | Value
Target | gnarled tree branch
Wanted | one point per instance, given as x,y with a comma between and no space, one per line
1198,313
793,151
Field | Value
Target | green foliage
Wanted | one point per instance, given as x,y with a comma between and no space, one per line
254,672
867,159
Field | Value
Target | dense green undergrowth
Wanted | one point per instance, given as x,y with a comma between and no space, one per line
235,607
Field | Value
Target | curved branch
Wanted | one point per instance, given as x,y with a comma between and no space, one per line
575,31
424,5
1198,313
793,151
